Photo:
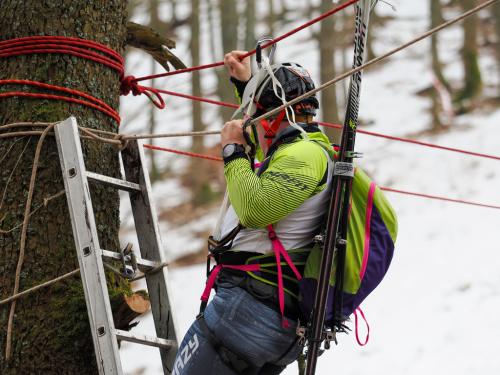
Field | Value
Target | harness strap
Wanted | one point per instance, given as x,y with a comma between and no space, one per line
213,276
279,250
216,246
272,128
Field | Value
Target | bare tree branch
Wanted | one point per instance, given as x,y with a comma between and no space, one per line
150,41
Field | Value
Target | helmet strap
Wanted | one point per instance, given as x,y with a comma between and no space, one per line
271,129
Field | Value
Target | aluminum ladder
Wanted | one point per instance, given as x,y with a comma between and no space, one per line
90,254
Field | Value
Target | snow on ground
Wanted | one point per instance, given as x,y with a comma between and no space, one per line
437,310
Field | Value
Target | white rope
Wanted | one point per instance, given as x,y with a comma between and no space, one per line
290,114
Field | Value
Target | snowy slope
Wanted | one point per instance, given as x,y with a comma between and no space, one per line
437,310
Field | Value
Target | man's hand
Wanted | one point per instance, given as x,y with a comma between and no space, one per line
232,132
237,68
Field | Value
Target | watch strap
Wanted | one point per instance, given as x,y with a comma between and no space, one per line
239,152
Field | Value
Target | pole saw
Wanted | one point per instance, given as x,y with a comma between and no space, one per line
334,237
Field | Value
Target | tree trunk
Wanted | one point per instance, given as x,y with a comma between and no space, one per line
374,21
213,26
156,24
496,17
250,25
200,187
329,105
436,19
195,76
271,19
472,74
51,331
229,29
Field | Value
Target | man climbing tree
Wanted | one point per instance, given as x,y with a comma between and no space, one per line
47,332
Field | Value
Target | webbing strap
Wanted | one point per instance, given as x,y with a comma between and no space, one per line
272,128
279,250
213,276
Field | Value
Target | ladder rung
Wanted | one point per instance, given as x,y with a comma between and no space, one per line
145,340
143,264
114,182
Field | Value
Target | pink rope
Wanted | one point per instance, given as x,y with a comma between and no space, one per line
279,250
356,327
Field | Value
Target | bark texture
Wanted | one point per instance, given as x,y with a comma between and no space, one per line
51,332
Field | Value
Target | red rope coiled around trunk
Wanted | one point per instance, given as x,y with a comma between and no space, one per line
77,47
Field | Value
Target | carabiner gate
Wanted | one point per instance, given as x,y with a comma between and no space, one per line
258,50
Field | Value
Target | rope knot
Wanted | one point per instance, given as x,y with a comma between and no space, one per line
123,140
129,84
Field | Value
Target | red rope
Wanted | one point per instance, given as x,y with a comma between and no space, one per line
271,42
428,196
62,40
89,102
191,154
77,47
431,145
337,126
197,98
440,198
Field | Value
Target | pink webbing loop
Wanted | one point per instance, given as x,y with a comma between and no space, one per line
279,250
356,327
213,276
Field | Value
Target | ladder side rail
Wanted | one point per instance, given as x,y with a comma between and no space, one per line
87,247
148,234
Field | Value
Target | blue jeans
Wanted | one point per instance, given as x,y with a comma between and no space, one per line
247,327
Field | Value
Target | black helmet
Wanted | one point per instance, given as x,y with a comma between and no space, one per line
295,81
259,95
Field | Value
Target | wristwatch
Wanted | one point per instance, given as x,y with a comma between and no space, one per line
232,151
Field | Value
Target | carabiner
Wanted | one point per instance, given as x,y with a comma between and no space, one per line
258,50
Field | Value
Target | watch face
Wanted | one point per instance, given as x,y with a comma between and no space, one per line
228,150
